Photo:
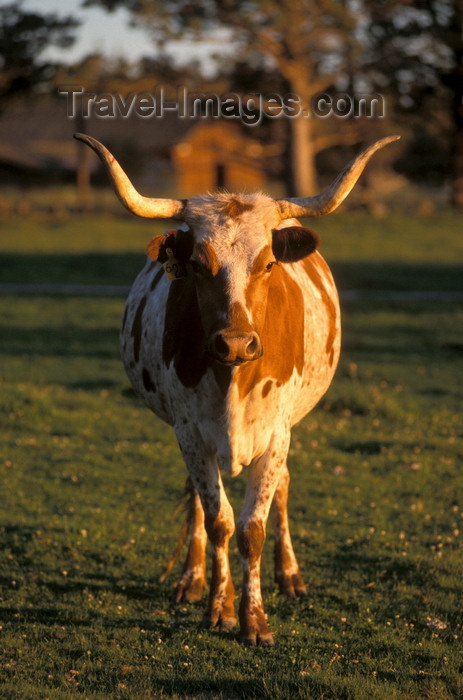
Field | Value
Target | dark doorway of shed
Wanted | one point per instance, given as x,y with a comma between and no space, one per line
220,176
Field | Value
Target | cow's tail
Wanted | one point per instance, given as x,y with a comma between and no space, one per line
187,504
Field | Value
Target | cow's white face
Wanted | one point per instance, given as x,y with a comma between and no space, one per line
233,245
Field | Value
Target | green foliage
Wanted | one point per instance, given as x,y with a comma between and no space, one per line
24,35
90,481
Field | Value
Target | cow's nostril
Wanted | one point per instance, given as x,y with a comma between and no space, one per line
252,346
220,346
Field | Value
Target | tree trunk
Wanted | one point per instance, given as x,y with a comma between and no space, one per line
456,145
457,169
304,176
83,169
302,153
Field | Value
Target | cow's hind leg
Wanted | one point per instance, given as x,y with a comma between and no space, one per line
287,574
219,525
192,581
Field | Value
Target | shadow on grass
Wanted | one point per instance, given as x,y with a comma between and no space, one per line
91,268
380,568
122,268
65,341
69,593
397,276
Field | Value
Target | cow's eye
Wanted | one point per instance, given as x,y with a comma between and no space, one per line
270,265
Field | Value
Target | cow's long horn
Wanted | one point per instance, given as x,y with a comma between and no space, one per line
331,198
130,198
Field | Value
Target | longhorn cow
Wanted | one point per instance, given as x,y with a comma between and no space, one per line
231,334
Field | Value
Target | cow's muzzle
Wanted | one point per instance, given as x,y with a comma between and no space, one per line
234,348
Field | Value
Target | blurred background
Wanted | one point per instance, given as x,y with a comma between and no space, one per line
410,53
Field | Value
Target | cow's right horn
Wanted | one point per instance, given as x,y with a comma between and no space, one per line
128,195
330,199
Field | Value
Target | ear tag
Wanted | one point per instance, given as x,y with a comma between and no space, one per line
173,268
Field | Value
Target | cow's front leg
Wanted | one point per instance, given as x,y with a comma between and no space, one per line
219,525
193,579
264,476
287,574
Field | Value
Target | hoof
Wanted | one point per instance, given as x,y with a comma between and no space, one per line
266,640
224,624
292,586
296,593
189,590
254,640
228,624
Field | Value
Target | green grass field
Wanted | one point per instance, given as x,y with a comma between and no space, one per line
90,481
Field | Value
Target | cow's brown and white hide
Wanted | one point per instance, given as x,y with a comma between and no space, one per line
232,355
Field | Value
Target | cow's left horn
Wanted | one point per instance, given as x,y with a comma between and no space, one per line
130,198
331,198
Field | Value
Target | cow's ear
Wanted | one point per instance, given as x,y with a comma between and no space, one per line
177,241
293,243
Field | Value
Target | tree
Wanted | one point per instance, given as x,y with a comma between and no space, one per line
307,43
24,36
417,47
